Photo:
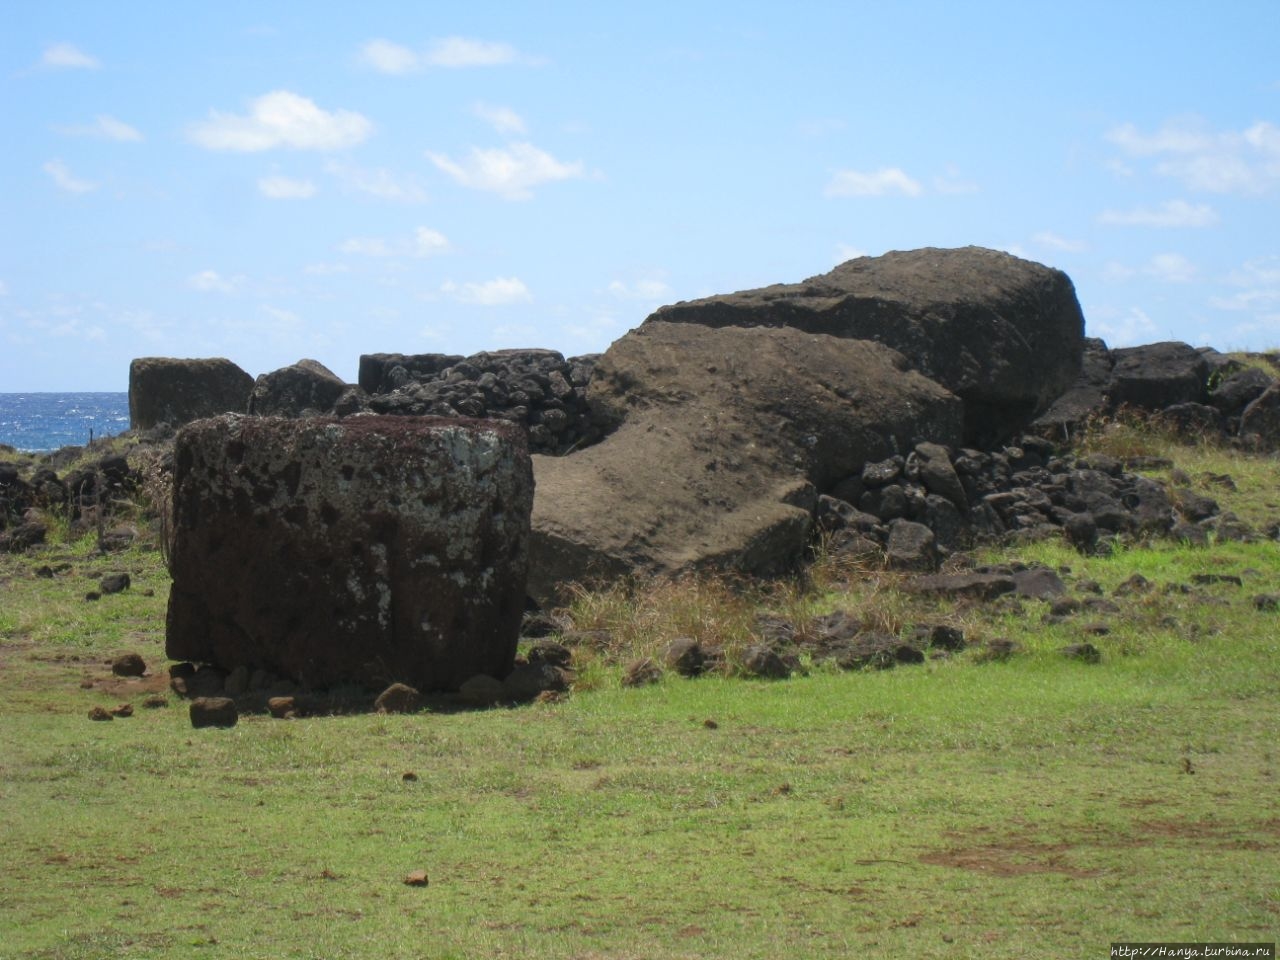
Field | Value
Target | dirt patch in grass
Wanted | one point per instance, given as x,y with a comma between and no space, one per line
1010,859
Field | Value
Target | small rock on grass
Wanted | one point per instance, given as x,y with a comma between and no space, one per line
129,665
100,713
398,698
282,708
214,712
155,702
115,583
1266,602
418,878
123,710
1084,652
641,673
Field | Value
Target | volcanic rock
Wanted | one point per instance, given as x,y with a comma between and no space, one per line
176,392
716,441
1004,334
347,551
306,387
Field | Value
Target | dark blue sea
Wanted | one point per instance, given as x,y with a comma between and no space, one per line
46,421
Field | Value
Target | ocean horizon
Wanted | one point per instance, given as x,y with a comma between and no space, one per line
42,422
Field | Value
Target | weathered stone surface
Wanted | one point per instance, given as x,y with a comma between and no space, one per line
115,583
398,698
307,387
1085,397
718,440
1260,421
1158,375
167,390
911,546
354,551
1004,334
979,586
1238,390
214,712
129,665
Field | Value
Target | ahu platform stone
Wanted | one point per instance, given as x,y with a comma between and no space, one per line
362,551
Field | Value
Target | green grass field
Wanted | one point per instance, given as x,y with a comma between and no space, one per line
1035,807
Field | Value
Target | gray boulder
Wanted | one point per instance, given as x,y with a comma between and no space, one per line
172,391
717,439
367,551
1158,375
1002,333
306,388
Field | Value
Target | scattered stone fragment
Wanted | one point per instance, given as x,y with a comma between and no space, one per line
416,879
154,702
409,777
100,713
123,710
761,661
482,690
45,572
129,665
213,712
1084,652
1207,579
1134,585
548,651
398,698
978,586
282,708
684,655
1096,629
1038,583
1266,602
528,680
93,595
641,673
114,583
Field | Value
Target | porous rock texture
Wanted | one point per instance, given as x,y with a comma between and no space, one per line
174,391
537,388
368,550
717,442
305,388
1002,333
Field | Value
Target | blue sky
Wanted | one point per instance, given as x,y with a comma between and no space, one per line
271,181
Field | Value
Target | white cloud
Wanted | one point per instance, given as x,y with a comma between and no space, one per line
953,183
426,242
286,188
281,119
1171,268
397,59
511,172
104,127
1260,280
1116,272
67,56
1227,161
325,269
852,183
650,289
210,281
1054,242
285,318
1171,213
66,180
1121,329
387,57
4,289
846,252
504,120
379,183
462,52
493,293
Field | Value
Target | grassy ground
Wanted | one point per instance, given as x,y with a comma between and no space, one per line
1036,807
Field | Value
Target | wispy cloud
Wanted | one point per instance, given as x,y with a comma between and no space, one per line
67,56
286,188
104,127
1121,328
1171,213
386,56
1171,268
504,120
425,242
281,119
646,289
378,182
511,172
845,252
1216,161
1052,241
210,281
61,175
498,292
877,183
